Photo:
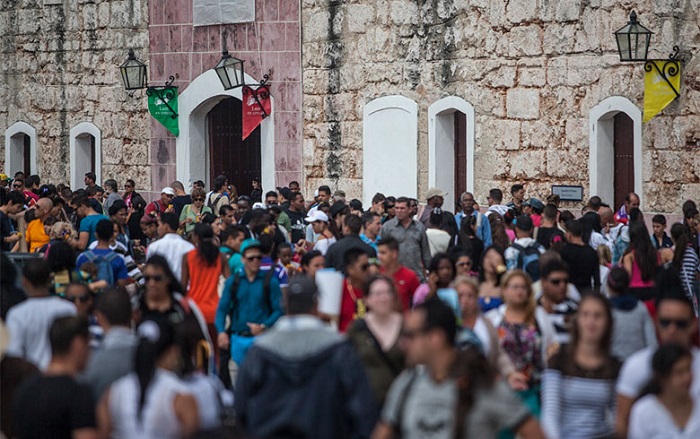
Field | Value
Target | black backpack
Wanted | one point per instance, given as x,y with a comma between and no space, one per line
529,260
267,300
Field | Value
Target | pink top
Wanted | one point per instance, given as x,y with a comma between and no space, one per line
636,280
511,234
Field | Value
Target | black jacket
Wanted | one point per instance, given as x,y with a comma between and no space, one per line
335,257
322,395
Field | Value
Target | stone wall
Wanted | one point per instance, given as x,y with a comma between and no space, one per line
60,68
533,69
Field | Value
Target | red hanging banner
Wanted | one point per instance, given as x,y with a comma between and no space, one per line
256,107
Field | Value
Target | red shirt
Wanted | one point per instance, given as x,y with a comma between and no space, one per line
352,306
406,282
152,209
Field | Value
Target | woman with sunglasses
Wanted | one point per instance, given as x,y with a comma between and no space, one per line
525,333
578,386
667,410
192,213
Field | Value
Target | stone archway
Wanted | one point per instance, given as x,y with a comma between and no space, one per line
203,94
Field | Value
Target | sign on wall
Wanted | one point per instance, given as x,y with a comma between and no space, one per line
162,104
568,193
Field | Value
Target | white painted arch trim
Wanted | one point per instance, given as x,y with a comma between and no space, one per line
601,158
380,147
444,106
15,129
192,145
82,129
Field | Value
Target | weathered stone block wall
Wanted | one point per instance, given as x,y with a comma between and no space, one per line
533,69
60,68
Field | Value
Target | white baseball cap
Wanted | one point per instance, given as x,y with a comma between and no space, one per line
317,215
168,191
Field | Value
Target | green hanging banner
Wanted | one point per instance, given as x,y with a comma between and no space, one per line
162,104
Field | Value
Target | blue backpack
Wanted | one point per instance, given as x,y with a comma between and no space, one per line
529,260
104,265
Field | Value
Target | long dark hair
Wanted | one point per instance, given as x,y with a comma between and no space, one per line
159,261
500,251
435,263
606,341
645,253
682,240
206,249
662,364
472,372
156,336
499,236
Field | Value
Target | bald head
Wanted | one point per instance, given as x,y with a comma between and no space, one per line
607,216
43,206
631,201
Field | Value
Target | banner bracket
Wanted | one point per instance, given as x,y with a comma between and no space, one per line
670,68
164,93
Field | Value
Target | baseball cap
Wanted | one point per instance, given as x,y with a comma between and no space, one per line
248,244
4,177
435,192
168,191
337,207
316,215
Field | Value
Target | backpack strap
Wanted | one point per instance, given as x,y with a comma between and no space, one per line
90,255
401,405
521,251
234,299
266,289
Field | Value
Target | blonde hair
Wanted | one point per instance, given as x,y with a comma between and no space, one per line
465,280
531,305
604,255
62,230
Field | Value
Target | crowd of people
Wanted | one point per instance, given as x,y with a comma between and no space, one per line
197,315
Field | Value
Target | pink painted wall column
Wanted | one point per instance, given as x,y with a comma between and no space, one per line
272,42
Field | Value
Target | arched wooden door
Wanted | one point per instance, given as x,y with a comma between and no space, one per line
238,159
623,144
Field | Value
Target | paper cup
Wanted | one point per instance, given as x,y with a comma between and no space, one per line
330,291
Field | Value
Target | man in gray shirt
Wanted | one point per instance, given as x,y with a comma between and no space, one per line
115,357
422,402
414,251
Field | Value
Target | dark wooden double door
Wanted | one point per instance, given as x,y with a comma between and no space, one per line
240,160
623,145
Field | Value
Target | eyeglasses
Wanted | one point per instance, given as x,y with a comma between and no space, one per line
254,258
678,323
201,200
156,278
558,281
127,186
17,185
82,299
390,206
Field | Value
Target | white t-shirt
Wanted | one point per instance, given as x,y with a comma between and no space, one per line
482,331
28,324
636,373
649,419
172,247
438,240
322,245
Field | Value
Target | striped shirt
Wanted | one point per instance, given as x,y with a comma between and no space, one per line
689,270
576,402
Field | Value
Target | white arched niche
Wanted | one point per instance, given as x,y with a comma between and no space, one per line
390,148
85,149
602,152
441,146
18,137
192,145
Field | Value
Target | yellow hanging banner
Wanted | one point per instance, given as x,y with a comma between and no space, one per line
662,80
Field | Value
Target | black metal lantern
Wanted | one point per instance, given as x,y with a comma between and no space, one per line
633,40
230,70
133,72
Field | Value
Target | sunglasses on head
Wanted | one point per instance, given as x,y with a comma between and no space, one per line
157,278
678,323
82,299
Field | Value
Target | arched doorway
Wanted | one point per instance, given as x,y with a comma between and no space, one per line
240,160
20,149
615,162
451,148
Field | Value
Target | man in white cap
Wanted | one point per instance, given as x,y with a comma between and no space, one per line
162,205
436,198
